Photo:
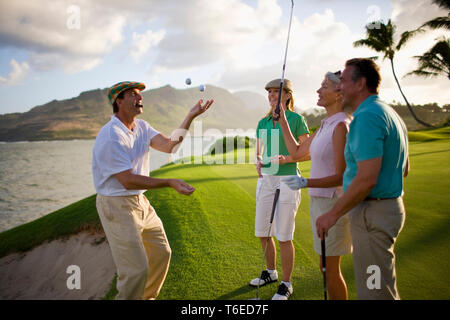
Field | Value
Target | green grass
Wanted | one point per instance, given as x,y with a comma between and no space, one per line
429,135
211,232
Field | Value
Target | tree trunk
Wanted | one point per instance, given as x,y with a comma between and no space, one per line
407,103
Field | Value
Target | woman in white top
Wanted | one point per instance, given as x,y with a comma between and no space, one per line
326,149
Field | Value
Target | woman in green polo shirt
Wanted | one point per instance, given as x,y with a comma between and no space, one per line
270,143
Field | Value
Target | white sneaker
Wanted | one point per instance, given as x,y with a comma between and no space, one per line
265,278
284,292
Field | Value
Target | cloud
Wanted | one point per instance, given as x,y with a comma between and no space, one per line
230,43
44,28
17,75
418,90
201,32
321,43
143,42
317,45
421,10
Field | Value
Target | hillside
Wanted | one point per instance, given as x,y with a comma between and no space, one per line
165,108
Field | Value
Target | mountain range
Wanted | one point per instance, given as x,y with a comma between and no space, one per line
164,108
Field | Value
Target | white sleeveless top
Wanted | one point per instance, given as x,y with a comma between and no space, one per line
322,154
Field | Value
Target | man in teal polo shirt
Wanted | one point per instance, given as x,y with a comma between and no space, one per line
376,154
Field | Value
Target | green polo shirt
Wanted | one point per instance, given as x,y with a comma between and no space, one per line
273,142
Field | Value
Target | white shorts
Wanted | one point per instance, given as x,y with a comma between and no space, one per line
339,239
283,224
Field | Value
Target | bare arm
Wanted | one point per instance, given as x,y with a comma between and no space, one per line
305,138
298,152
132,181
339,139
258,156
407,167
168,144
364,181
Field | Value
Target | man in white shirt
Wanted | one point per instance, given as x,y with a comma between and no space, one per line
120,167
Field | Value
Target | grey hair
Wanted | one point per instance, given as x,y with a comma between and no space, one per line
333,78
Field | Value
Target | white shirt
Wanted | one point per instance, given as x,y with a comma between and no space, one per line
118,149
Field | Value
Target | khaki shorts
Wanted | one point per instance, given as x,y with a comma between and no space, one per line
339,240
283,224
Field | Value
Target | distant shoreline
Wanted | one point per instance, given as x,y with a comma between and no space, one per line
48,140
90,138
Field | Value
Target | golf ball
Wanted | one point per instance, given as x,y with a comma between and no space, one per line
202,87
188,81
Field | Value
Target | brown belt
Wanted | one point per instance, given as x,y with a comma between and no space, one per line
372,199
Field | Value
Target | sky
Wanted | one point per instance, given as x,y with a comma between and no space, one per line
56,49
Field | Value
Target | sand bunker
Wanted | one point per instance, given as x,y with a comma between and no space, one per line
41,274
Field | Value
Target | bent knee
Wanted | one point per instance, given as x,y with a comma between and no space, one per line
165,253
285,243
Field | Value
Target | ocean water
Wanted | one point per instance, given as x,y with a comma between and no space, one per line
37,178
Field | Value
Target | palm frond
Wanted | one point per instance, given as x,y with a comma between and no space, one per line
371,43
379,38
406,36
421,73
444,4
435,61
438,23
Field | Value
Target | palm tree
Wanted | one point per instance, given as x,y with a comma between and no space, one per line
440,22
436,23
435,61
381,39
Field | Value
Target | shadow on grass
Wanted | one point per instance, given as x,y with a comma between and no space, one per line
221,179
239,291
181,165
428,153
438,235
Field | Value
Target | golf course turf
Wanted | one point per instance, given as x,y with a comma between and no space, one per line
211,233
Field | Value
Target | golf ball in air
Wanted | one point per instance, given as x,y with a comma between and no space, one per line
202,87
188,81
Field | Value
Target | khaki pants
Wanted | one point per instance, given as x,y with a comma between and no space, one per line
375,226
138,243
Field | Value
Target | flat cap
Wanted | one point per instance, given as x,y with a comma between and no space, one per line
116,89
287,84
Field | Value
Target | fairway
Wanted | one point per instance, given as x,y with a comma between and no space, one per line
215,253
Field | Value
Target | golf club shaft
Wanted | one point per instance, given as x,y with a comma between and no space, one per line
277,109
275,200
324,268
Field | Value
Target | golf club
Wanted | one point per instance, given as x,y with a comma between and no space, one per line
277,109
275,200
324,268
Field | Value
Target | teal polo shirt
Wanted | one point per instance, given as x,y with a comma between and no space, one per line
273,142
377,131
